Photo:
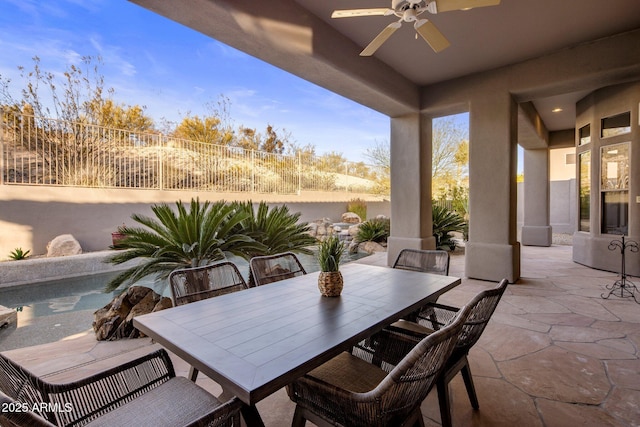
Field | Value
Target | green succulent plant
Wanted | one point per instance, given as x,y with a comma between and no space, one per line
18,254
374,230
330,252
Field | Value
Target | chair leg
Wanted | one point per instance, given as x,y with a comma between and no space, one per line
443,400
468,382
419,421
193,374
298,418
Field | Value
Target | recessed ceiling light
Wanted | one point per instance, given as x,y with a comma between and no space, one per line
556,110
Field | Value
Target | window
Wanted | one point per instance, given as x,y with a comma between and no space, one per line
615,167
614,187
584,134
616,125
584,184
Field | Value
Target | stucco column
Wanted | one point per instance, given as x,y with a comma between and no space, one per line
492,252
536,230
411,222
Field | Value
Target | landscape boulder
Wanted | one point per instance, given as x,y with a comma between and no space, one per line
351,218
371,247
115,320
63,245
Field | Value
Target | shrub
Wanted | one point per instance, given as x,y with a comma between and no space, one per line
375,230
191,236
359,207
446,222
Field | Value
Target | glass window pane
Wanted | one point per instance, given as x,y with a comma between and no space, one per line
616,125
585,191
615,212
615,167
585,134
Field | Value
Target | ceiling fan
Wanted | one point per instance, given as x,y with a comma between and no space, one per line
409,11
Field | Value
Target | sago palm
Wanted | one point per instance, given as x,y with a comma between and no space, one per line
444,223
277,229
182,238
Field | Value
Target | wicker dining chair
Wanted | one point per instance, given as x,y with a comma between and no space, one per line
198,283
144,391
423,260
349,391
273,268
435,316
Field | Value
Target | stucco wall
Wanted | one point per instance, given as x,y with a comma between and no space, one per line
31,216
562,201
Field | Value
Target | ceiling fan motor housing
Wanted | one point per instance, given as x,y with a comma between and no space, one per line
403,5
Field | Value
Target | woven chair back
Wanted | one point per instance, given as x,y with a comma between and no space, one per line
198,283
409,383
273,268
481,307
20,385
425,261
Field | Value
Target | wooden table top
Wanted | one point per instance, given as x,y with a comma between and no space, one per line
254,342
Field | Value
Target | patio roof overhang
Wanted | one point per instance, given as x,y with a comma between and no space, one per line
300,37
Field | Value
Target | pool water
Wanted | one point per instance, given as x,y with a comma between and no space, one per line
59,296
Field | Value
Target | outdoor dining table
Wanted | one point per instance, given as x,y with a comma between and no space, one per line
256,341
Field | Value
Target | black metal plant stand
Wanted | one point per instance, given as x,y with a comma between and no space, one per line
623,288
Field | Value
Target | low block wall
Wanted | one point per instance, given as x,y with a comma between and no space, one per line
31,216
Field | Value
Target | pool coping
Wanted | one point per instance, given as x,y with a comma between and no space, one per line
43,269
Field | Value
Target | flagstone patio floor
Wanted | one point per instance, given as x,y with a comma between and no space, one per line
554,354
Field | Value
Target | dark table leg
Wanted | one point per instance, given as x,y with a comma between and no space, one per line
251,416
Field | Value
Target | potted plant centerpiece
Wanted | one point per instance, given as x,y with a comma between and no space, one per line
330,251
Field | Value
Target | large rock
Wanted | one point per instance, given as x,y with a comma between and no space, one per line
351,218
63,245
115,320
371,247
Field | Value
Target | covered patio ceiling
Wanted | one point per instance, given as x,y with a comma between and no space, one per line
300,37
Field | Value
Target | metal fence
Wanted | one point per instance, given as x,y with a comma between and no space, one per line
43,151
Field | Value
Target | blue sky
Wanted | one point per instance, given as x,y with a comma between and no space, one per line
172,70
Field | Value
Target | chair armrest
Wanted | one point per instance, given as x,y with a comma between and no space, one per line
386,348
98,394
229,410
436,316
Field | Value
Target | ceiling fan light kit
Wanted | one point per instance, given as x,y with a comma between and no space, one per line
409,11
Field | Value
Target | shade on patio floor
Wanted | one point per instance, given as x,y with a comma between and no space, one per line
554,354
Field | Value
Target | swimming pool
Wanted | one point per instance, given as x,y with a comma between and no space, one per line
49,311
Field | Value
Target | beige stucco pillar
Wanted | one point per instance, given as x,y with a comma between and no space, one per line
492,252
536,230
411,222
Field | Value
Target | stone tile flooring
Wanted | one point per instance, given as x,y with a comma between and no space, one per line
554,354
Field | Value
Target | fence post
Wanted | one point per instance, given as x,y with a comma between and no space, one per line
160,161
253,171
299,172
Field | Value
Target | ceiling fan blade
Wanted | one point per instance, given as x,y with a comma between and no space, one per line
350,13
431,35
449,5
380,38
